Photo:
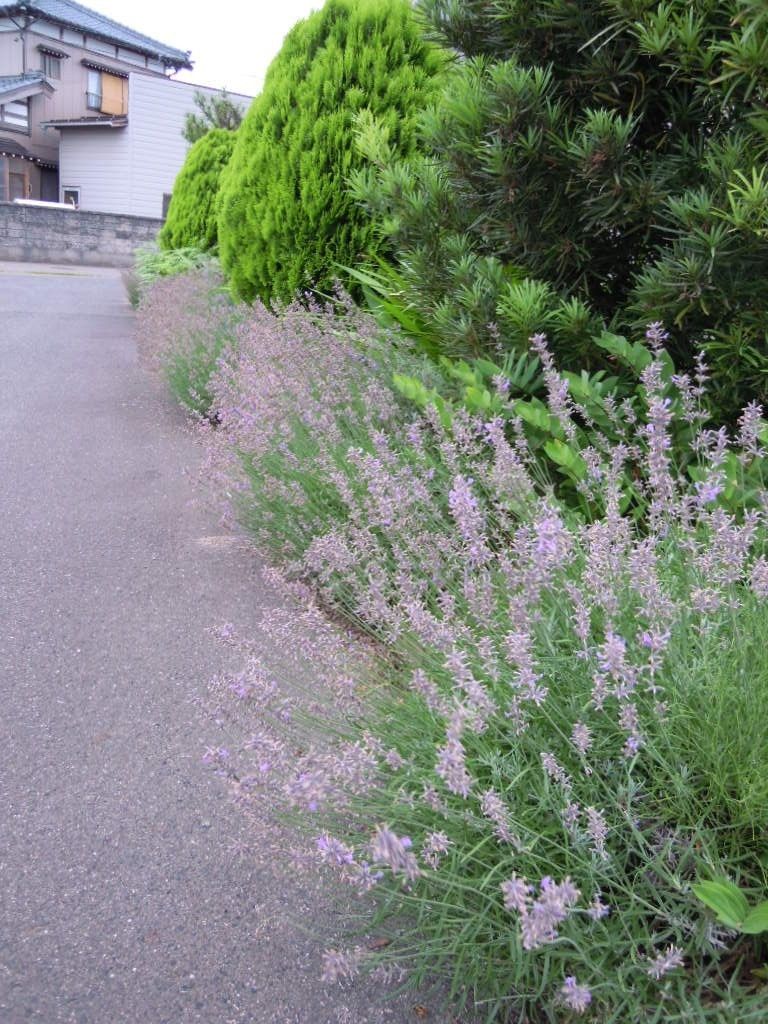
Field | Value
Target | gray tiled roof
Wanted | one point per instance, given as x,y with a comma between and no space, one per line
10,147
74,15
10,82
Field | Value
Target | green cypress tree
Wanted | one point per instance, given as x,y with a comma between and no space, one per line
590,164
191,219
287,219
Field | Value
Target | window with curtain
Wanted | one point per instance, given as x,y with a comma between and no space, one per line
93,93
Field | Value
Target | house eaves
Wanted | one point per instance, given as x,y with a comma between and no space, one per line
20,87
13,148
82,19
117,121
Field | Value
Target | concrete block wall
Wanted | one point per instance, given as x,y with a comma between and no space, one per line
37,235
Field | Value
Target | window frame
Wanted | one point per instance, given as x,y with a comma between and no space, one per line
17,125
50,65
93,100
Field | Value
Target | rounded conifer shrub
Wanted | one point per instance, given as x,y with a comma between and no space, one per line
286,218
191,219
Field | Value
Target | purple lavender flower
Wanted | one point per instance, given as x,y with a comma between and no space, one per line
470,521
394,759
706,600
539,924
612,657
362,876
388,849
597,830
570,816
452,767
341,965
630,723
333,851
750,425
501,385
554,770
758,577
516,892
659,444
656,335
576,997
663,963
560,403
309,789
581,737
435,847
709,490
494,808
216,756
597,909
553,542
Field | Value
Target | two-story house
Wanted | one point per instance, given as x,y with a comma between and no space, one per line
88,111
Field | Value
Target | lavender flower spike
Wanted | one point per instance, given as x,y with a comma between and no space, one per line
665,962
576,997
388,849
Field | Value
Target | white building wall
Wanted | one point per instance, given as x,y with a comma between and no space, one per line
129,170
97,161
157,109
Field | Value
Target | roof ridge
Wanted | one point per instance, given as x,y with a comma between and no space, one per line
120,24
48,8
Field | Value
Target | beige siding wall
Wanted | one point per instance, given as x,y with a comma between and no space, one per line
10,50
69,98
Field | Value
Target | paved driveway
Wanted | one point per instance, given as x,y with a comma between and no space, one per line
120,897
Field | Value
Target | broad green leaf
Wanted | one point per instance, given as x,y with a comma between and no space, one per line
537,415
725,899
410,388
487,368
756,920
565,457
461,371
443,409
477,399
634,355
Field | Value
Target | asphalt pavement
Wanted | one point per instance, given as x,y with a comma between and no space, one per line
131,890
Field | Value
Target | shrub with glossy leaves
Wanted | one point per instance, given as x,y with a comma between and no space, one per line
191,219
286,217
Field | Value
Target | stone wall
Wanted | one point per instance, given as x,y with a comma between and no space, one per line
38,235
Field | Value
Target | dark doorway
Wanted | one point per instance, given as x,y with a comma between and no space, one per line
17,186
49,185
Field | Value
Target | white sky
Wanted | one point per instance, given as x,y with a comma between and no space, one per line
232,43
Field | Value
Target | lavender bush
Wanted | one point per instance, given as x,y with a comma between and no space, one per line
185,321
575,734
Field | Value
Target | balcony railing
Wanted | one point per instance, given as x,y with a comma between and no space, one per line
93,100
